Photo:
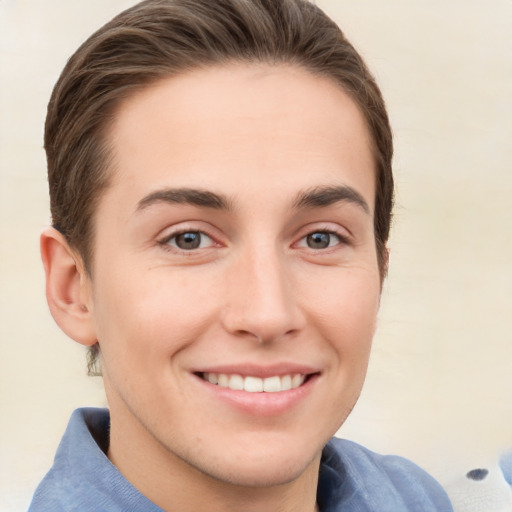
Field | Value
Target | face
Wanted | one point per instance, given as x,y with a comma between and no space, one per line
235,280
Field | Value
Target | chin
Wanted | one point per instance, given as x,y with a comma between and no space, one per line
261,474
265,462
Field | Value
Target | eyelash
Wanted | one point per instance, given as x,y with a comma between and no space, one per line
341,239
166,244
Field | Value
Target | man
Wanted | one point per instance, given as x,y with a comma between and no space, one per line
221,192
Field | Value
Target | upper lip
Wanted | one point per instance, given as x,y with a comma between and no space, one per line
262,371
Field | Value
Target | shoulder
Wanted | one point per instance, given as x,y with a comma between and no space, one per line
82,477
378,482
397,469
62,489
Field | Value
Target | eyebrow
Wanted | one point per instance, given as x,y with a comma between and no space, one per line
193,196
316,197
319,197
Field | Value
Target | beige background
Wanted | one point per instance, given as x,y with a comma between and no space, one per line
439,389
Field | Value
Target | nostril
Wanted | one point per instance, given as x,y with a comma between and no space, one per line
477,474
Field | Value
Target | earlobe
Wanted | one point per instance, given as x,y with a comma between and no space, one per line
67,288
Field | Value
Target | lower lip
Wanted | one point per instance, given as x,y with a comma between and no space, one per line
261,404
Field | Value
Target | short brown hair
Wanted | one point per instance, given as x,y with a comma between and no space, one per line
156,39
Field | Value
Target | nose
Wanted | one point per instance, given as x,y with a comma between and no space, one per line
261,302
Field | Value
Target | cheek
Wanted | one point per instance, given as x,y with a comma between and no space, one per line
159,312
345,309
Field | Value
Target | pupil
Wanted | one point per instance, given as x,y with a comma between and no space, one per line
189,240
318,240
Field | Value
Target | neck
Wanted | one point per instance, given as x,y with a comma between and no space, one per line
176,486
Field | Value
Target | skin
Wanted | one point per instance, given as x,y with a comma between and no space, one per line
286,154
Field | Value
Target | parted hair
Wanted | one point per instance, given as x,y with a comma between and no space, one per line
157,39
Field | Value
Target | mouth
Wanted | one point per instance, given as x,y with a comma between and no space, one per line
252,384
259,392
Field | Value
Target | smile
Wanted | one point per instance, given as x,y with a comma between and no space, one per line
273,384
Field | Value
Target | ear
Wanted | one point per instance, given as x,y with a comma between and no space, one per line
68,290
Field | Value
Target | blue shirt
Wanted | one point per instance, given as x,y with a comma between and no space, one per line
351,479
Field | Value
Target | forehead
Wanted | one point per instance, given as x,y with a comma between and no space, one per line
240,127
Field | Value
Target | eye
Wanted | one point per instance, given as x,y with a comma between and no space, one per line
321,240
188,240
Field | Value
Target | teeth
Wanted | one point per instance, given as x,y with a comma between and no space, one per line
272,384
212,378
297,380
223,380
236,382
286,383
255,384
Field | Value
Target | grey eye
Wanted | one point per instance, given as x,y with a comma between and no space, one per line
319,240
189,240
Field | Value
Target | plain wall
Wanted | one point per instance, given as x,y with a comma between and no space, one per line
439,388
